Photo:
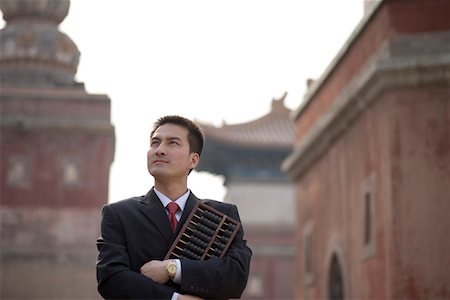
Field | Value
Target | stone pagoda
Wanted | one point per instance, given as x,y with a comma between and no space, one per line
57,145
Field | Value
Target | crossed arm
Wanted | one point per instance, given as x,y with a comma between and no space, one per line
214,278
156,270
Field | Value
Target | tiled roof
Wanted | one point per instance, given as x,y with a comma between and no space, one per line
274,130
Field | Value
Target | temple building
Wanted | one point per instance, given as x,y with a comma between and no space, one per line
371,161
57,145
249,156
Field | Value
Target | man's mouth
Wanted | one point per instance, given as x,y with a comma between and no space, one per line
160,161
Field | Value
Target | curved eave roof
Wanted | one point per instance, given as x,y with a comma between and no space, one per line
274,130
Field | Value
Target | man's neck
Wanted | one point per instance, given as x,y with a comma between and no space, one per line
173,191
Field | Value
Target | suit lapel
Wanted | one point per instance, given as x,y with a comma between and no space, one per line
156,213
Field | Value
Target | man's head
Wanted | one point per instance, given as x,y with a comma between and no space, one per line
175,147
195,134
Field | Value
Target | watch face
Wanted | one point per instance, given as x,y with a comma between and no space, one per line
172,268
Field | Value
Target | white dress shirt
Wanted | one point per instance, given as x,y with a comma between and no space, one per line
181,201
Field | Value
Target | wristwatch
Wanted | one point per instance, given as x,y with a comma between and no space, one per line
171,269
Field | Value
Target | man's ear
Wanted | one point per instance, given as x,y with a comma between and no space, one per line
195,159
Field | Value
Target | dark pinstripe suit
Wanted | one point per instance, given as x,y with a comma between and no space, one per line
137,230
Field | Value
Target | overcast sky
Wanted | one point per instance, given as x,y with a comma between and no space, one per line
213,61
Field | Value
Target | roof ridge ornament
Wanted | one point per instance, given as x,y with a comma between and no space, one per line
278,104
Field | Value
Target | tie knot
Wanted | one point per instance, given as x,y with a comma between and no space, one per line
173,207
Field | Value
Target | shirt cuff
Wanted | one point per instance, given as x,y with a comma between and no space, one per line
174,296
177,277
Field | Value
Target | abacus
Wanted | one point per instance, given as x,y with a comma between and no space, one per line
206,233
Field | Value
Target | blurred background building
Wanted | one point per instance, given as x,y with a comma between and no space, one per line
249,155
57,145
371,161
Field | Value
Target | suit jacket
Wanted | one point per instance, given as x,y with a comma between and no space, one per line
137,230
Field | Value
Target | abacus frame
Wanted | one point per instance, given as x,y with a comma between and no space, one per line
178,243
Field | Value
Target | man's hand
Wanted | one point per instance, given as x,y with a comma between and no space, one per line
156,270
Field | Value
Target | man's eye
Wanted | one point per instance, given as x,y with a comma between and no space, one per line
174,142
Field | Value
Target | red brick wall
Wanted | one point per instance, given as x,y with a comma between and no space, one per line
420,171
402,142
331,196
46,151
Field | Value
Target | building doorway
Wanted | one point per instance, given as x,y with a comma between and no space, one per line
335,280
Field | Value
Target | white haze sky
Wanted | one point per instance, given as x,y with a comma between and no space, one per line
213,61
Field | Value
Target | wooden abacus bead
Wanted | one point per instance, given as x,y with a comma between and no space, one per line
200,235
189,246
218,218
214,224
199,242
224,239
213,217
217,252
203,220
191,254
204,229
231,226
194,248
207,214
227,232
220,246
209,223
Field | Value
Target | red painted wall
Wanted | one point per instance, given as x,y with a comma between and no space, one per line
403,143
398,149
46,149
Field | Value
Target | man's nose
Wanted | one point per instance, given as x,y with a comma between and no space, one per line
160,150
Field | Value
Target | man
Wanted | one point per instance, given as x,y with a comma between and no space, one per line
136,233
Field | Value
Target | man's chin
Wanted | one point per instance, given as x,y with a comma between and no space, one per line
158,173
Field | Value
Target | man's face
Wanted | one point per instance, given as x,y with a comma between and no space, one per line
168,156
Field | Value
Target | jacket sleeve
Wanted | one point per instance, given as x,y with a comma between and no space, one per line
219,278
114,276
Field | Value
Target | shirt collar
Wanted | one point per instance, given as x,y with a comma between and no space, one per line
180,201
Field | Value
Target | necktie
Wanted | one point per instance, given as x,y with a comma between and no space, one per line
173,208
